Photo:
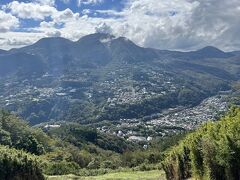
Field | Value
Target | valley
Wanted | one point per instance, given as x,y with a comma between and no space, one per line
103,106
170,121
116,86
119,90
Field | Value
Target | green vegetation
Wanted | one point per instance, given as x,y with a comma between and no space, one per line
128,175
15,133
72,149
183,97
212,152
15,164
68,149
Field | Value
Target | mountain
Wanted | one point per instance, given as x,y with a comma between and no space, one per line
45,47
208,52
20,63
102,77
2,51
91,51
237,53
98,50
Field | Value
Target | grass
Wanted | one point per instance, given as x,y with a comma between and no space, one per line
131,175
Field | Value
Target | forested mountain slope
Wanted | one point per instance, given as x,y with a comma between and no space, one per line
102,77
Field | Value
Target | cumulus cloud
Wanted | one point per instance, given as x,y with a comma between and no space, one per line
65,16
30,10
7,22
10,40
163,24
103,28
182,25
54,33
160,24
217,22
38,11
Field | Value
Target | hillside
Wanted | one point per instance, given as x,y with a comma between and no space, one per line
71,149
212,152
104,81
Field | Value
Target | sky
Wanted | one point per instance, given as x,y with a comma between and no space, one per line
162,24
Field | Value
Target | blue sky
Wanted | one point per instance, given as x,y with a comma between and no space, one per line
116,5
162,24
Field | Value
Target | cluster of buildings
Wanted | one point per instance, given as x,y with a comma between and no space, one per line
170,121
122,89
115,88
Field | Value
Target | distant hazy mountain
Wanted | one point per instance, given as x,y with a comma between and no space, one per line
208,52
20,62
237,53
2,51
105,77
92,51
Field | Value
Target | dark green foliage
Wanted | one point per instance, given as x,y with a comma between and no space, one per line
30,144
17,165
81,135
113,143
61,168
138,110
77,149
212,152
16,133
183,97
63,150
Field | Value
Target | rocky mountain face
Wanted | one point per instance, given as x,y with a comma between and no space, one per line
102,77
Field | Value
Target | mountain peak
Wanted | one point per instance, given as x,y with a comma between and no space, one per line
209,52
210,49
96,37
52,40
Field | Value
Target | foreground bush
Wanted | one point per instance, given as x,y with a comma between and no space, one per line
17,165
212,152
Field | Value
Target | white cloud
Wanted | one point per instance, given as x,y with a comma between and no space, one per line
217,22
64,16
30,10
164,24
184,25
103,28
7,22
10,40
38,11
55,33
158,24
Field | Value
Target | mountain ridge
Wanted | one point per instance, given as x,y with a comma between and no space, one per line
100,36
102,77
100,49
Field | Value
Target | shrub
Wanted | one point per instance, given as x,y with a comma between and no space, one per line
212,152
15,164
